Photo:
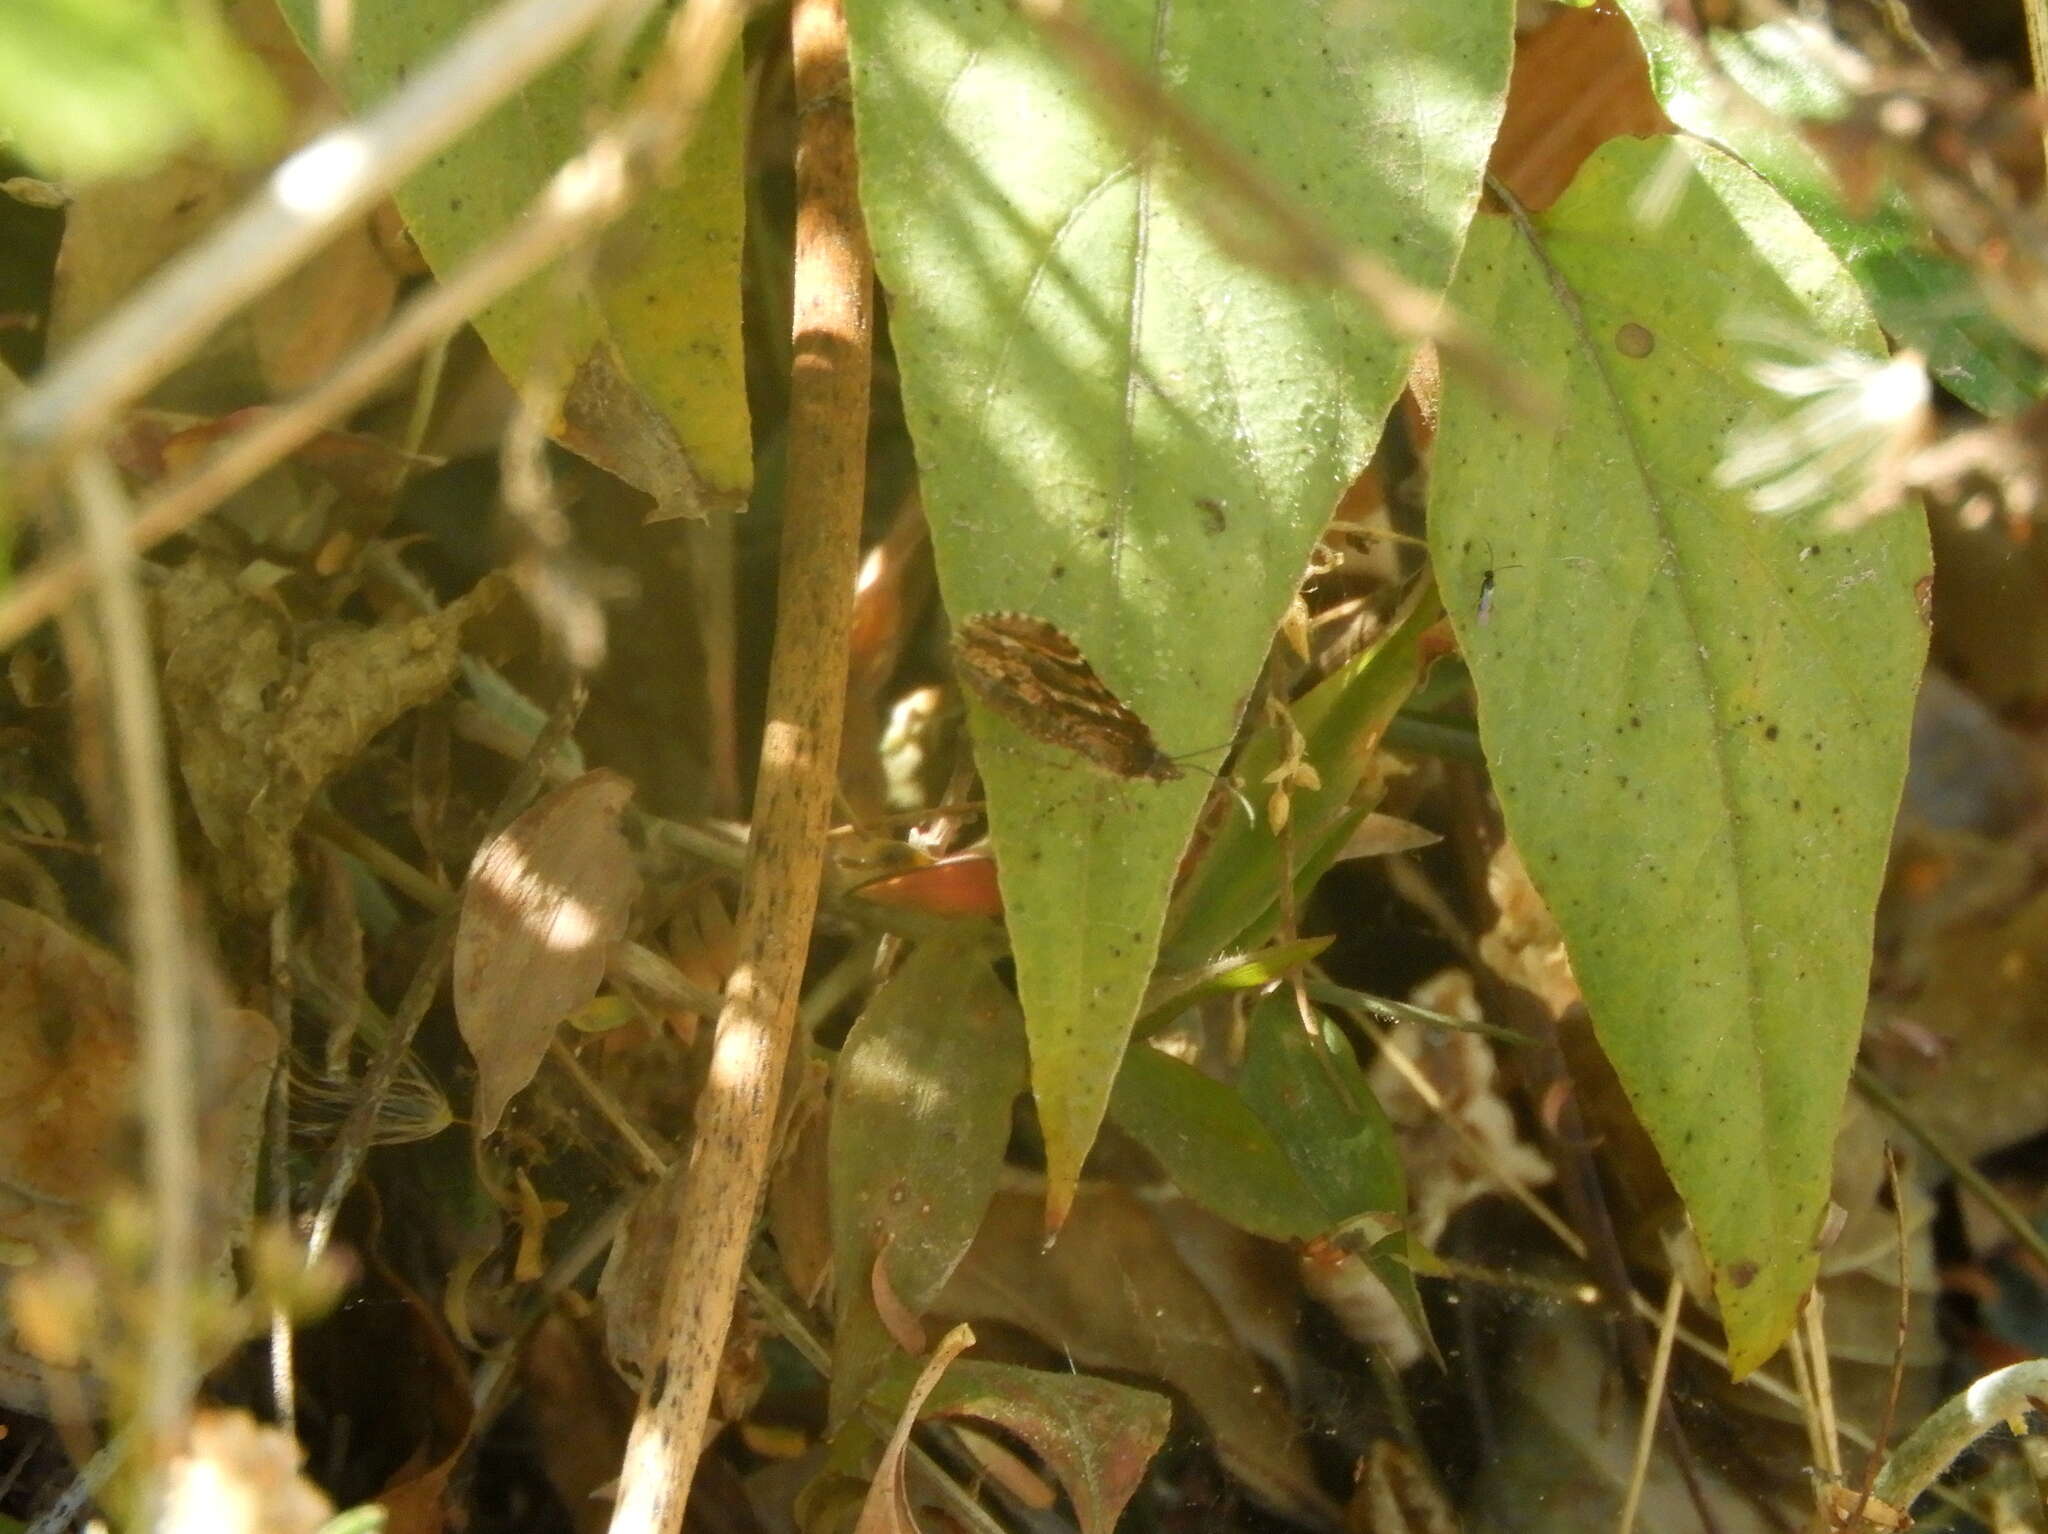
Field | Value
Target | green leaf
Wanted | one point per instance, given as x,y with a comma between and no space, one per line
1122,427
1760,82
1323,1112
97,88
1233,898
1172,995
1335,1134
651,360
1214,1146
1696,716
1297,1148
921,1101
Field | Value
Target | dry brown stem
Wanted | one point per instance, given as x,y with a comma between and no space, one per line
792,811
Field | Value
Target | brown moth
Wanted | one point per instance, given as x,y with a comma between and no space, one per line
1034,676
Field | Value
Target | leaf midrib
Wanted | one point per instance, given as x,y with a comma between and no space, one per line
1568,301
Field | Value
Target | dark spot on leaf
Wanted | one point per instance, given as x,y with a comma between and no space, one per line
1633,340
1770,732
1742,1274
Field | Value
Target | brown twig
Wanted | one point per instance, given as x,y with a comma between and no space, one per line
792,812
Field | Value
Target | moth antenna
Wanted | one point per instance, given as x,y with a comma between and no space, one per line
1229,784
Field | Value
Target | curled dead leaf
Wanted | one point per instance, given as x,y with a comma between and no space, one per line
887,1508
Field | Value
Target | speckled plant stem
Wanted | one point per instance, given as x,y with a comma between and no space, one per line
792,810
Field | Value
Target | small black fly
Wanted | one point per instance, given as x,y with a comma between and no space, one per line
1484,607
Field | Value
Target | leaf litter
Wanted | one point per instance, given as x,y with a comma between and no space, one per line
301,698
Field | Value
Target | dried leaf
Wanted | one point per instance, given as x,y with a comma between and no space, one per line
116,232
545,901
1379,835
887,1508
263,721
67,1054
581,1413
630,1289
799,1205
961,885
703,947
631,1292
1579,80
359,468
897,1319
315,315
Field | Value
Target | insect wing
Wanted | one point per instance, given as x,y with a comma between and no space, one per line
1034,676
